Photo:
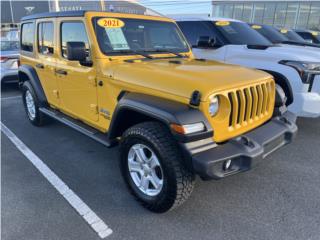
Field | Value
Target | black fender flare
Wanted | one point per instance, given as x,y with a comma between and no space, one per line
283,83
135,105
32,75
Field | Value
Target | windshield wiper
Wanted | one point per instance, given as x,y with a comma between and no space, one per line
165,51
134,52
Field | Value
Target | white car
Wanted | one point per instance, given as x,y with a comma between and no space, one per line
9,57
295,69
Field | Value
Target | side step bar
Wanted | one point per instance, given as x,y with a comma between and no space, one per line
78,125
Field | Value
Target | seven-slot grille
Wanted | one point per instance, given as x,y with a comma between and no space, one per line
250,103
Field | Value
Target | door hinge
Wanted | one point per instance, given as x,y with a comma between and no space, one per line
56,93
94,108
93,81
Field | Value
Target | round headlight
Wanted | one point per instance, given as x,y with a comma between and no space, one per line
213,106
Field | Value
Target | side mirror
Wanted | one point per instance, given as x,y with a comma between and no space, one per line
76,51
204,42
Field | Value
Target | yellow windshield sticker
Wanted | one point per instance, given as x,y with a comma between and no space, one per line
315,33
223,23
284,31
110,23
256,26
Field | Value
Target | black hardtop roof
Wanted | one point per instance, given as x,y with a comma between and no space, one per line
54,14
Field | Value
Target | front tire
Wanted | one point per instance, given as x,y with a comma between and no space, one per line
31,105
152,166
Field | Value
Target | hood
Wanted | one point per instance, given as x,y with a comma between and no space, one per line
283,52
181,77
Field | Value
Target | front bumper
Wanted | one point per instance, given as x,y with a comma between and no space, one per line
307,102
306,105
244,151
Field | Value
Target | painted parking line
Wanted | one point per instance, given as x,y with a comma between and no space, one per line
11,97
81,207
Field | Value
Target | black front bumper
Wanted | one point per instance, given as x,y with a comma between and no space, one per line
209,160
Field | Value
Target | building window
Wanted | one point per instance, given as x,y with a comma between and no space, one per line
45,38
218,10
73,32
292,14
314,18
27,37
238,9
228,10
303,16
247,12
269,13
258,12
280,14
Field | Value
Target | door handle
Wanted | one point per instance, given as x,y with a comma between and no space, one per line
39,65
61,71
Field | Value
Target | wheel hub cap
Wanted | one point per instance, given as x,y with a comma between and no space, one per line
145,169
31,109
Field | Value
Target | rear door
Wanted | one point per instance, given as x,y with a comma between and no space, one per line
46,62
77,82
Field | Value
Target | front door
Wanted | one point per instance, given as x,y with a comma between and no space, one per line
77,82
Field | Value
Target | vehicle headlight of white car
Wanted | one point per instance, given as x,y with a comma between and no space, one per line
306,70
213,105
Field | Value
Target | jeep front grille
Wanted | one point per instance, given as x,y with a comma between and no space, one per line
250,104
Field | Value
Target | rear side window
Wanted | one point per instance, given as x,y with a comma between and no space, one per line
27,37
45,38
73,32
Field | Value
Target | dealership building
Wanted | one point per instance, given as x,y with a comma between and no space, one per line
12,10
285,13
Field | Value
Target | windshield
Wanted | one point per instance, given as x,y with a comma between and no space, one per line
9,45
240,33
270,33
316,35
128,36
293,36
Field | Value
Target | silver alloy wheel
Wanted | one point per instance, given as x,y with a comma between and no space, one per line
31,109
145,169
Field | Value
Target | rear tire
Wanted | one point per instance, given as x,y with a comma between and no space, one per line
153,142
31,105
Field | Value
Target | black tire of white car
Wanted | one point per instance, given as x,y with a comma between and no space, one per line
157,144
31,105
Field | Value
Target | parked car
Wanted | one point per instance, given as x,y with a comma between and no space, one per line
309,36
282,36
295,69
9,57
133,78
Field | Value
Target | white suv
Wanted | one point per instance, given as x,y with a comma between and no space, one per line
295,69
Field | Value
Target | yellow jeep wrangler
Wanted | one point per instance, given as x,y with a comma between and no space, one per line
132,79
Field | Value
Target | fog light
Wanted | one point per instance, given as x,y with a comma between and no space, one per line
227,165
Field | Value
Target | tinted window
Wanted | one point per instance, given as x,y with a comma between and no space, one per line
73,32
240,33
270,33
45,38
307,36
195,29
293,36
139,35
27,37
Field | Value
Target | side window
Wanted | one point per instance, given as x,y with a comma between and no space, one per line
195,29
45,38
73,32
27,37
